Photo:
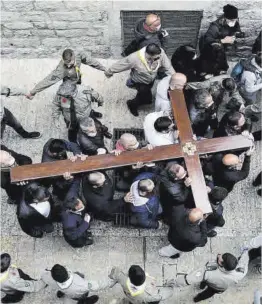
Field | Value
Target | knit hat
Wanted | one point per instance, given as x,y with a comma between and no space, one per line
136,275
59,273
230,12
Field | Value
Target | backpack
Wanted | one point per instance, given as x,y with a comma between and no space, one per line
237,72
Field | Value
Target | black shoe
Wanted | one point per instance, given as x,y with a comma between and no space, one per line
11,201
108,135
31,135
132,108
256,182
212,233
92,300
259,192
48,228
96,114
59,294
197,299
253,118
177,255
89,241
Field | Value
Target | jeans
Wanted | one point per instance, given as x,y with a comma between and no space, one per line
206,294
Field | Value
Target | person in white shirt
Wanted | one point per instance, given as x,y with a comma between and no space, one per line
176,81
160,129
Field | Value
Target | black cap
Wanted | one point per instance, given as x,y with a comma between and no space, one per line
229,261
230,12
59,273
136,275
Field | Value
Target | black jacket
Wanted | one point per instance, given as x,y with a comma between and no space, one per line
74,225
30,220
99,201
89,145
219,30
71,147
182,234
257,44
173,192
201,119
223,129
226,177
144,38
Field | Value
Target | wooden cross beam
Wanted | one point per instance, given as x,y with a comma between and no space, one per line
188,148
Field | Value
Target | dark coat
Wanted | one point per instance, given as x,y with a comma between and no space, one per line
215,219
223,130
14,191
219,30
257,44
173,192
182,234
145,215
201,119
226,177
30,220
74,225
99,201
70,146
89,145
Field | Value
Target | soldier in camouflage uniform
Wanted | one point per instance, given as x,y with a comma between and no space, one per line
7,117
14,282
73,284
74,102
67,69
217,276
139,287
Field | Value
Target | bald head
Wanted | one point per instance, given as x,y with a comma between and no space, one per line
230,160
6,159
96,178
176,171
129,141
153,22
177,81
195,215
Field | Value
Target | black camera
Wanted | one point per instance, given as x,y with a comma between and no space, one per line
240,35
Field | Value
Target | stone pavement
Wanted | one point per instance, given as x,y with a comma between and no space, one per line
114,246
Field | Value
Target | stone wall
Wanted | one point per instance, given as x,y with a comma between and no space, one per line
43,28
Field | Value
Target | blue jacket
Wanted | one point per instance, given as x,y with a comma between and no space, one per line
145,216
74,225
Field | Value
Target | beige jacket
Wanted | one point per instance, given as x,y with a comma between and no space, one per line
140,71
12,282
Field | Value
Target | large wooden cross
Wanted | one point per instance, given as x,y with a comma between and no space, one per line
188,148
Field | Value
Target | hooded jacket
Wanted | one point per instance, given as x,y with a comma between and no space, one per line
250,85
145,210
144,38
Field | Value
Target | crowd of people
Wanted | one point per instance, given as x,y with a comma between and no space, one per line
219,105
